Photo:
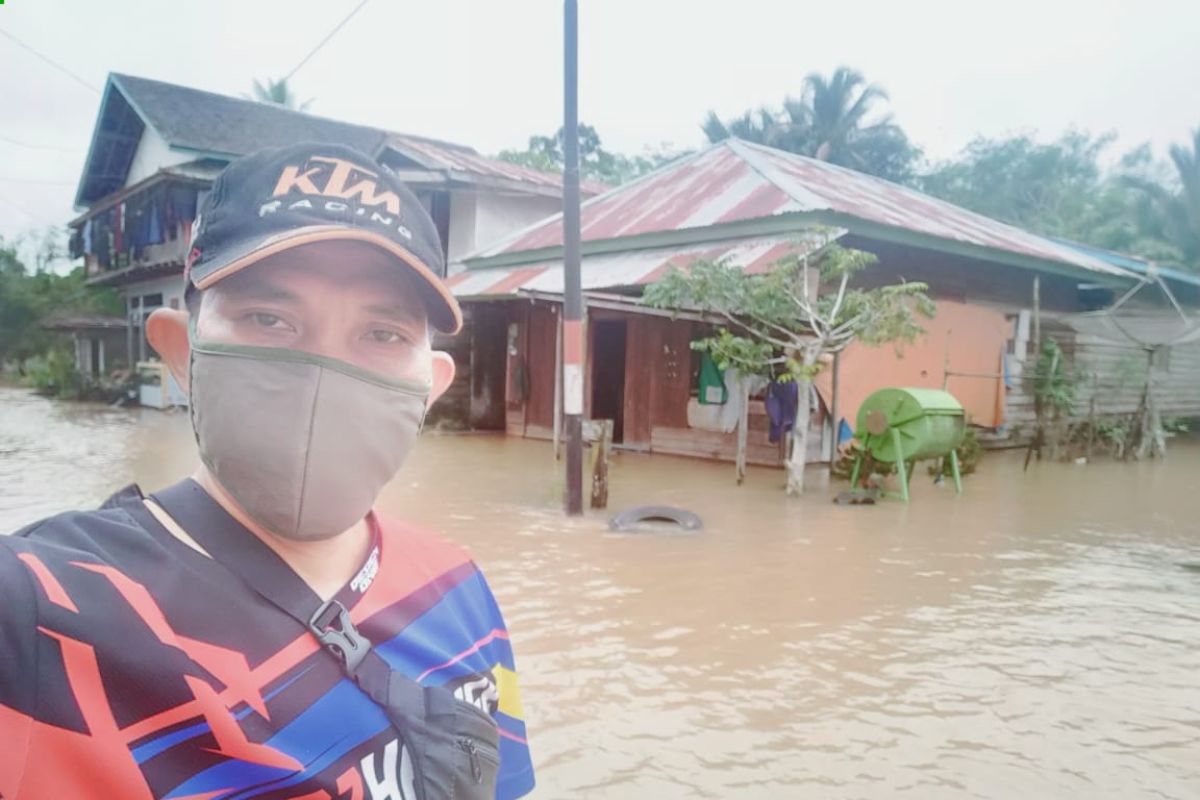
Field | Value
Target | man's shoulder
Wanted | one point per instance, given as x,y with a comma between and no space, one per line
75,534
418,542
416,560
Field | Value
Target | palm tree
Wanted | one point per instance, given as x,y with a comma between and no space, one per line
834,110
1179,213
828,121
762,126
278,92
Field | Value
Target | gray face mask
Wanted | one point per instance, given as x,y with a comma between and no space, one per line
303,443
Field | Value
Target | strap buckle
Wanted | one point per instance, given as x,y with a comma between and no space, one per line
342,639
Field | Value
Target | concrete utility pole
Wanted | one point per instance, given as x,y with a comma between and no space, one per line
572,318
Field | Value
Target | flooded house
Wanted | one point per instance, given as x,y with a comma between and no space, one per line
155,151
751,205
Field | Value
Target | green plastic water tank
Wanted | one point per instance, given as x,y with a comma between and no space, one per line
931,423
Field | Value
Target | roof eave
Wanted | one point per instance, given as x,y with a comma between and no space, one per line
780,224
905,236
108,86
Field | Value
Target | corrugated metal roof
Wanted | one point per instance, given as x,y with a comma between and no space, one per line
438,156
735,181
634,267
226,127
1139,265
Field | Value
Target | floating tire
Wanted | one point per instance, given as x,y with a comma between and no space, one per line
631,518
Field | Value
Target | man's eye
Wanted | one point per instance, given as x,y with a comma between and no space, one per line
383,336
267,320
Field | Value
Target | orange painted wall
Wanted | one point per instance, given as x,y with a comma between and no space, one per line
977,338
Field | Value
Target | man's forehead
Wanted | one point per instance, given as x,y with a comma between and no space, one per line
293,271
385,293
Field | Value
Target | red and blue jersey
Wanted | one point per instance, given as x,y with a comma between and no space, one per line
134,666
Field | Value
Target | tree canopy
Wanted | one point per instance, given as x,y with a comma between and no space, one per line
1061,188
278,92
30,297
595,162
829,120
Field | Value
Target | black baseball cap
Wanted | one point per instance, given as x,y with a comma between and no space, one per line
277,199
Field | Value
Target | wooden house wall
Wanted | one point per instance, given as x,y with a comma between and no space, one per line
528,332
488,366
516,370
658,387
1115,374
964,280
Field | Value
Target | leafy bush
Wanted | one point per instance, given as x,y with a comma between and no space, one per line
54,375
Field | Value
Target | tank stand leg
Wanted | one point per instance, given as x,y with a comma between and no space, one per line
954,469
901,467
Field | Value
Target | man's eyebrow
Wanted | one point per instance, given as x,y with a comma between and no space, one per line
395,312
257,290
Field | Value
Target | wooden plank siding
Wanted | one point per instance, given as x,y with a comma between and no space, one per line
643,340
543,330
1115,374
516,370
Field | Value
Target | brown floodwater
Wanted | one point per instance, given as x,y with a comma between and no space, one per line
1037,637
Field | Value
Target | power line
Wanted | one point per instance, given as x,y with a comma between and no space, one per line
20,210
33,146
37,180
49,61
322,43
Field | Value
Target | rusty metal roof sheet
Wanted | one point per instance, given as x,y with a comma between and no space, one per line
736,181
635,267
453,158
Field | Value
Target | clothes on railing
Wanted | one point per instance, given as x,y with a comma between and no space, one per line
120,235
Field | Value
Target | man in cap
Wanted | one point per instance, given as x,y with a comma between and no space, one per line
257,630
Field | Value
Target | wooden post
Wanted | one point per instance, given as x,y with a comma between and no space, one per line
1091,441
833,411
1037,314
743,429
1039,428
600,450
558,386
573,343
946,364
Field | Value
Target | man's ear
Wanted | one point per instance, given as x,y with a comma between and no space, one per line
167,332
443,376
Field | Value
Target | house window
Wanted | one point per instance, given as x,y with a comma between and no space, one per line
152,300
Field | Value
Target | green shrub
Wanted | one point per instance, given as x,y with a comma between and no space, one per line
54,375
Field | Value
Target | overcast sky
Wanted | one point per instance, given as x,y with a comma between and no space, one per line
487,73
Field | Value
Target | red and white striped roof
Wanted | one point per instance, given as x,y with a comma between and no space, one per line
735,181
633,267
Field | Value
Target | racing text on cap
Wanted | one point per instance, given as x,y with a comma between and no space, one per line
336,180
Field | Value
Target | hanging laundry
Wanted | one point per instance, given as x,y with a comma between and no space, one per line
739,387
154,232
119,228
781,403
845,433
170,217
712,387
